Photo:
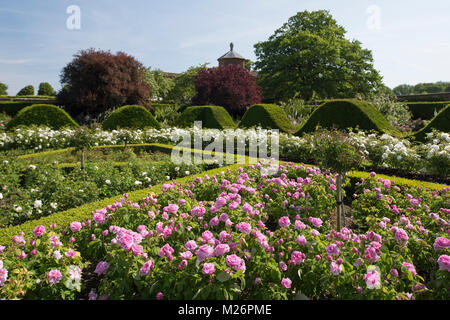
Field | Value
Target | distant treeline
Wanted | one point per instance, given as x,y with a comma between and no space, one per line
420,88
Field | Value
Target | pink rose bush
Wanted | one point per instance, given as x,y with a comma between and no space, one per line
243,234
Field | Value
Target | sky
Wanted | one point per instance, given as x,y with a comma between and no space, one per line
409,40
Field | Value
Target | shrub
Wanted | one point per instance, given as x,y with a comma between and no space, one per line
45,89
425,110
42,114
214,117
26,91
396,113
267,116
11,108
166,113
96,81
441,123
133,117
230,86
3,89
347,113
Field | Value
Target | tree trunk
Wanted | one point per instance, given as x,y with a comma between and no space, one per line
340,208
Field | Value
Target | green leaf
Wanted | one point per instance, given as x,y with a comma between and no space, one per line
223,276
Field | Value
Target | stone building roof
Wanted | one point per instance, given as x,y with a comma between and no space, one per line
231,54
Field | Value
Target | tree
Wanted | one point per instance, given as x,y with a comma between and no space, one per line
160,84
26,91
184,86
45,89
3,89
97,81
308,55
231,87
403,89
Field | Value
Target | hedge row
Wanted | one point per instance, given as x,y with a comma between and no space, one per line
42,114
425,110
11,108
213,117
347,113
267,116
131,117
441,123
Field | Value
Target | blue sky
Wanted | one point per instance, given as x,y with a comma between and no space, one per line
411,45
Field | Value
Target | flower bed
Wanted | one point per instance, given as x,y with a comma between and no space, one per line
242,234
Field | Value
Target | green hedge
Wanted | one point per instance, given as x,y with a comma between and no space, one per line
132,117
425,110
441,123
11,108
347,113
267,116
213,117
42,115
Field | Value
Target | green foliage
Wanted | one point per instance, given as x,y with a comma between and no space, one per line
440,122
42,114
166,113
3,89
347,113
396,113
425,110
297,111
26,91
267,116
160,84
403,89
309,54
422,88
45,89
183,89
11,108
213,117
133,117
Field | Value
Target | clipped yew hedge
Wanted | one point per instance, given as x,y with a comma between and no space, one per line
347,113
42,115
425,110
11,108
441,123
130,117
213,117
267,116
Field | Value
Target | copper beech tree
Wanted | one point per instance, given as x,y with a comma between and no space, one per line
231,87
98,81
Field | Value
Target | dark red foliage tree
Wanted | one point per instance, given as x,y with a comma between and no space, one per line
97,81
231,87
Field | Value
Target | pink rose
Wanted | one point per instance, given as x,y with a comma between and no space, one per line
284,222
286,282
208,268
204,251
441,244
54,276
244,227
221,249
75,226
39,231
235,262
444,262
101,267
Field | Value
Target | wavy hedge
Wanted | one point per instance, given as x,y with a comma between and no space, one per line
42,115
425,110
213,117
441,123
11,108
131,117
347,113
267,116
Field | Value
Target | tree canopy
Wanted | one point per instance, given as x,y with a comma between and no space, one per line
309,55
97,81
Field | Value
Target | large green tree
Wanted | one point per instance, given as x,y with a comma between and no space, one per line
310,55
183,90
159,82
3,89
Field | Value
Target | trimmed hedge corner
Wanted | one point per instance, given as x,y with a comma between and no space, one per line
42,115
441,123
425,110
267,116
213,117
347,113
131,117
